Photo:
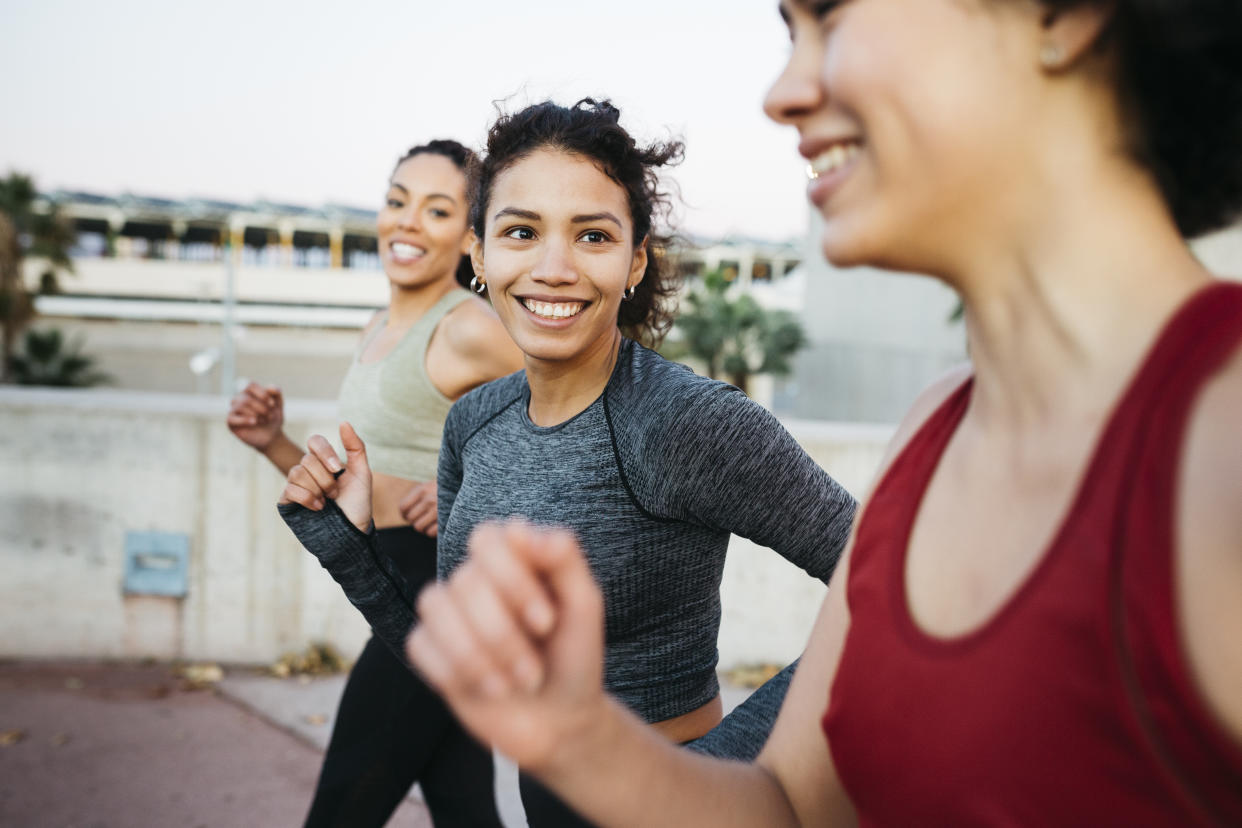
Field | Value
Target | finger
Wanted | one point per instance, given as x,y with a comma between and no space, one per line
423,518
319,446
420,511
557,559
355,449
501,632
252,410
493,547
468,667
293,493
310,474
275,397
421,649
411,498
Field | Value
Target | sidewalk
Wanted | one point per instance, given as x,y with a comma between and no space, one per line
108,744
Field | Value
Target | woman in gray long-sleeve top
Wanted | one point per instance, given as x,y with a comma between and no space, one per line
650,465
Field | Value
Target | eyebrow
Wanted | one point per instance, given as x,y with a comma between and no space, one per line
517,213
401,187
585,218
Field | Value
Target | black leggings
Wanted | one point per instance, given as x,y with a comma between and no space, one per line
392,731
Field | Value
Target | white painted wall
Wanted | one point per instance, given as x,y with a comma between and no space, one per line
84,467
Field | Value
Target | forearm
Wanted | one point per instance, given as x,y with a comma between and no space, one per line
369,579
623,773
283,453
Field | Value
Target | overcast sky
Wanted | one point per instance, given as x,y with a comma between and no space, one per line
311,102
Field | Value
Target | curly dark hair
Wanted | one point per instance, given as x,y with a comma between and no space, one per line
465,159
592,129
1179,75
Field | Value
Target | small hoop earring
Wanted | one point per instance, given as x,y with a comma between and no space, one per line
1051,56
629,292
478,285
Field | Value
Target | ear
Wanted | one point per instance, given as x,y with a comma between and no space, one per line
467,242
1070,33
638,265
476,254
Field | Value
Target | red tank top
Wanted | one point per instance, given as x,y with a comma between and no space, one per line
1073,704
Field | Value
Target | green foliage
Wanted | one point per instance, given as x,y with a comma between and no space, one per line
734,336
26,230
48,359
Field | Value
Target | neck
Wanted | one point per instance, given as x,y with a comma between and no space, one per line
407,305
1057,324
561,389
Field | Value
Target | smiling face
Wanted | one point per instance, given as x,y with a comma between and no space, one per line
557,254
422,227
914,120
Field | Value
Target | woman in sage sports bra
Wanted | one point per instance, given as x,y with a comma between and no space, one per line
433,342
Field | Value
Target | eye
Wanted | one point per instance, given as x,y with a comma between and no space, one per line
595,237
439,212
520,233
823,8
394,203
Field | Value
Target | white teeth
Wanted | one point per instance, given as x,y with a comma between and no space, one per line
553,310
832,159
401,250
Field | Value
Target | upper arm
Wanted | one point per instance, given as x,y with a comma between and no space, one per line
1208,544
482,348
726,462
797,753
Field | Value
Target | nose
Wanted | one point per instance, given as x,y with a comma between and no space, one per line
797,90
556,264
408,218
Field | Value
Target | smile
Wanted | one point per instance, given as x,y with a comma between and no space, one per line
553,310
833,159
402,252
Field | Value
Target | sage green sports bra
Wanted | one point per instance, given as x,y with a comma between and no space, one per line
392,403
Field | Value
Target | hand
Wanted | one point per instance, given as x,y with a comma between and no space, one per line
320,476
257,415
418,507
514,642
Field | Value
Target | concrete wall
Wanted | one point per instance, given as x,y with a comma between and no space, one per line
83,468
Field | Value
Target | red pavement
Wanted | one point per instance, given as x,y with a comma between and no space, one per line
126,745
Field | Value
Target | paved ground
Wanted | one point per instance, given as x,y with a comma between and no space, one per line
111,745
93,745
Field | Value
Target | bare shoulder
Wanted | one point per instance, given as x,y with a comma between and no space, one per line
482,351
1209,543
473,327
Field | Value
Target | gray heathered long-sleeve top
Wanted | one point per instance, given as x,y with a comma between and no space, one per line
652,477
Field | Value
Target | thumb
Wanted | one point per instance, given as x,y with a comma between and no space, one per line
355,449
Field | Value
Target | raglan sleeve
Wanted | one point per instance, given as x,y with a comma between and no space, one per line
724,461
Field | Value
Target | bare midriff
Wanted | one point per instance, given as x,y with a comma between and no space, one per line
692,725
386,494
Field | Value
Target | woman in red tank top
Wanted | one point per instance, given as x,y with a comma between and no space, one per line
1037,622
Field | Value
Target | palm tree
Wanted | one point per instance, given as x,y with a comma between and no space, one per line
47,359
734,336
26,231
